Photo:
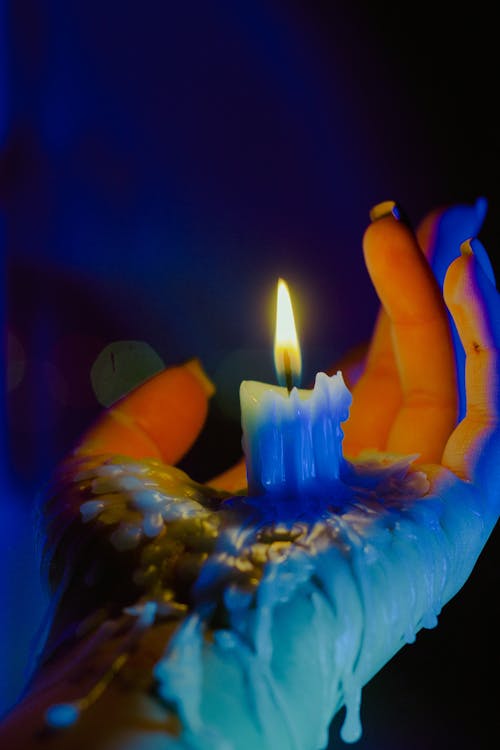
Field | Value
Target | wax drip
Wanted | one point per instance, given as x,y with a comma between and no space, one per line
352,730
409,634
63,715
178,673
267,555
429,620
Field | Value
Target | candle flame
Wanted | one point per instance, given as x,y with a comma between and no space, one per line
287,356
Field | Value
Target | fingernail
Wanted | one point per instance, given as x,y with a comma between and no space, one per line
195,367
388,208
466,247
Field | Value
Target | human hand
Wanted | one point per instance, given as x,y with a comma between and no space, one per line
416,398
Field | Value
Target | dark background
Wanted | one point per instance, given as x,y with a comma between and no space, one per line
161,164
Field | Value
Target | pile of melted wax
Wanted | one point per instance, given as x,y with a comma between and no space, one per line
289,608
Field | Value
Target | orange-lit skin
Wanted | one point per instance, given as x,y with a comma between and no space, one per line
160,419
378,392
420,391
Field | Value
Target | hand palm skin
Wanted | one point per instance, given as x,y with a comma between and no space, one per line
405,402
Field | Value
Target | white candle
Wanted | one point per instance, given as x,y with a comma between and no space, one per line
293,442
292,439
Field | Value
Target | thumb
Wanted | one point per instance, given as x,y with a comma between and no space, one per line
161,418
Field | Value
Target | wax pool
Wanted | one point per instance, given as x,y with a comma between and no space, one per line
293,441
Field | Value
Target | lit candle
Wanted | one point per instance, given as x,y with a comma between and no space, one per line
292,438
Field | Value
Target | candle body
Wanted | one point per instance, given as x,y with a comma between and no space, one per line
293,442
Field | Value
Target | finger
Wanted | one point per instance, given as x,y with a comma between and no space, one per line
421,339
377,391
232,480
376,396
160,419
474,304
440,235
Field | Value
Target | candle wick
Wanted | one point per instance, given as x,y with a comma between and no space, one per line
288,370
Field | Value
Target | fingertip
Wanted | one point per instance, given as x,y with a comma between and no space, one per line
455,275
386,229
472,252
171,409
394,261
160,418
473,300
195,367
